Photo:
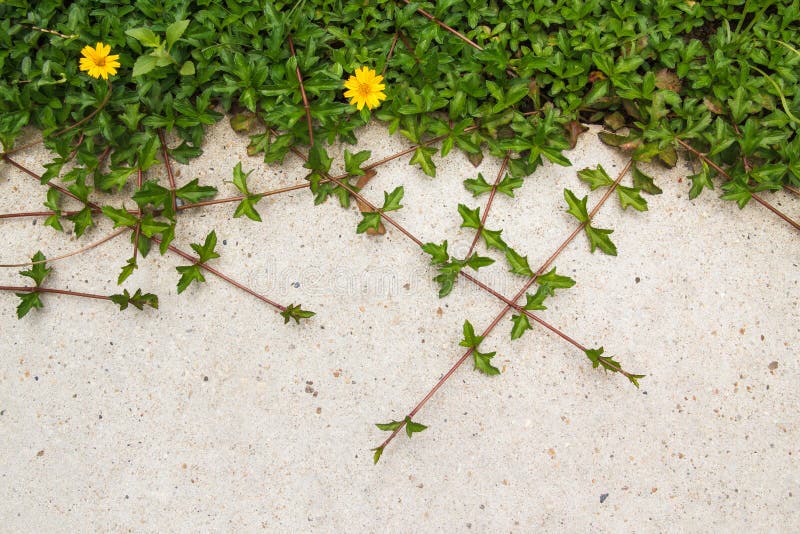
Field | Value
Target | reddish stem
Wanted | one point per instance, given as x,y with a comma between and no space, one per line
508,306
391,52
458,34
170,175
488,205
302,92
51,290
727,176
138,230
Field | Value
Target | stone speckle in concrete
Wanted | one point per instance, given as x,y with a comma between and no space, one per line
210,413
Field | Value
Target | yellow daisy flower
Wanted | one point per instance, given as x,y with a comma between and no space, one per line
97,61
365,88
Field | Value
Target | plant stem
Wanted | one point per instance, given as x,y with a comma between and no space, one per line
488,205
302,92
458,34
727,176
505,310
138,230
170,175
69,255
157,240
90,115
51,290
391,52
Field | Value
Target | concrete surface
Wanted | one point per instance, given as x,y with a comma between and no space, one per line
211,414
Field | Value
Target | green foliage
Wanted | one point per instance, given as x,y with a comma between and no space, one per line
194,273
138,300
609,364
38,272
247,206
598,237
295,312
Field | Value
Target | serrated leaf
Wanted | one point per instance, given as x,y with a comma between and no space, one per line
143,65
493,240
438,253
389,427
296,312
476,262
194,192
577,208
446,281
370,219
483,363
470,218
127,270
145,36
391,201
353,162
470,339
477,185
629,196
378,451
240,179
189,274
206,250
83,220
116,178
519,264
598,238
121,217
318,159
509,184
700,181
39,270
521,324
412,427
247,207
422,157
596,177
644,182
28,302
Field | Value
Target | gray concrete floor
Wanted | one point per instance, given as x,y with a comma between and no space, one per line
211,414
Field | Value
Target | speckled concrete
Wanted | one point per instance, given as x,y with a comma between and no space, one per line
211,414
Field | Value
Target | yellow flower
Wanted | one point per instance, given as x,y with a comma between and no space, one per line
97,61
365,88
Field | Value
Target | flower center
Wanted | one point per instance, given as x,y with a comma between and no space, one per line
364,89
100,61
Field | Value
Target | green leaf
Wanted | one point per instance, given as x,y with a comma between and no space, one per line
206,250
127,270
296,313
438,252
470,339
493,240
83,220
577,207
412,427
187,69
152,193
247,207
483,363
150,226
644,182
121,217
422,156
521,324
509,184
29,301
143,65
598,238
318,159
391,201
377,455
174,31
700,181
189,274
629,196
596,177
477,185
476,262
240,179
145,36
116,178
389,427
39,270
370,219
471,218
519,264
353,162
138,300
193,192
